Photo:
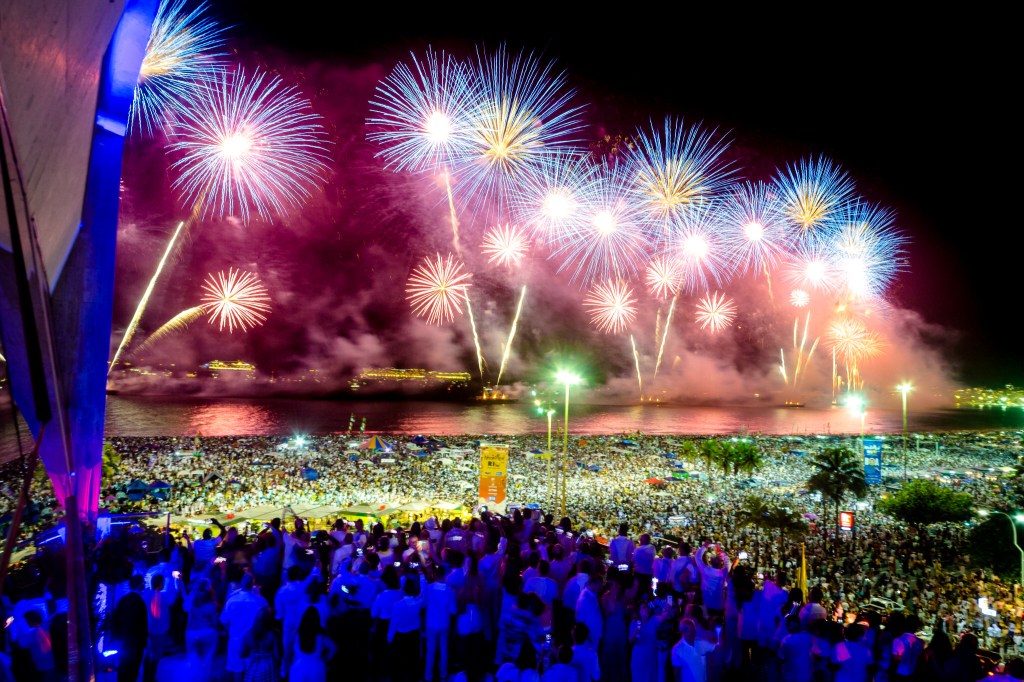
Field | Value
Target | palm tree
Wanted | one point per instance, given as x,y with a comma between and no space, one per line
756,513
838,472
688,451
786,523
709,451
746,457
111,462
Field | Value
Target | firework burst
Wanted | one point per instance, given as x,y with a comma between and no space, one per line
610,241
251,144
676,169
505,245
437,288
420,114
180,58
810,193
715,312
754,228
523,114
664,277
811,266
852,341
550,201
868,251
611,305
235,299
799,298
699,249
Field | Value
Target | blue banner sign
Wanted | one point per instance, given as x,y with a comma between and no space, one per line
872,461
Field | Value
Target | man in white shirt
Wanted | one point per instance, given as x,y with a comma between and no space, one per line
238,616
689,654
584,659
621,548
542,585
712,578
643,561
441,608
588,611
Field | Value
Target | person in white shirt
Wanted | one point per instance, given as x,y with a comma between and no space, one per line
588,611
621,548
1013,671
689,654
712,577
850,659
441,609
238,616
541,584
643,561
584,659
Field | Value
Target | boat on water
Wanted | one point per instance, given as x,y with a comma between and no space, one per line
792,403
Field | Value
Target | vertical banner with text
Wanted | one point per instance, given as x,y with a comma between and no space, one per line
493,474
872,461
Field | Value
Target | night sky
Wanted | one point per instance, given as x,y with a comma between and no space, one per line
918,112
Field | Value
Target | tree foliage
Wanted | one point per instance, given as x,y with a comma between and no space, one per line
990,545
923,502
838,472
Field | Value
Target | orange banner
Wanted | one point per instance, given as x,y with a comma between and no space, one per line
493,475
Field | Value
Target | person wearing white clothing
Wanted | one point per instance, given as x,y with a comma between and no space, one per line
588,611
621,548
441,608
689,655
712,577
237,617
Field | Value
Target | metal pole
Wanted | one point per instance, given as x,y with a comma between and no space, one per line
904,392
1013,525
565,447
551,496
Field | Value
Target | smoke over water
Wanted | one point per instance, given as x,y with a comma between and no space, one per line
337,272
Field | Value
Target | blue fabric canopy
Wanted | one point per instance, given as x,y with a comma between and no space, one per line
310,474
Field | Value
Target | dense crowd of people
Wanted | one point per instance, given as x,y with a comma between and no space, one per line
643,581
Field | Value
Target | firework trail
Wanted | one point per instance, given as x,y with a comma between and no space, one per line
476,337
129,331
250,144
436,289
179,60
236,299
511,335
178,323
636,359
852,342
453,216
802,361
664,335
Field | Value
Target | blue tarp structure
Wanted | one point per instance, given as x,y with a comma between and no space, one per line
626,442
535,451
310,474
420,440
798,453
159,485
422,453
136,486
593,467
377,444
670,455
353,458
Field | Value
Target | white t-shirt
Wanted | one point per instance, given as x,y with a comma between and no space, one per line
690,659
508,672
853,659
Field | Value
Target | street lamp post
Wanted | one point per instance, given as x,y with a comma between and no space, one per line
551,496
1014,520
904,388
567,378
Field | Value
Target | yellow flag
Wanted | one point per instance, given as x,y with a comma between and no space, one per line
802,578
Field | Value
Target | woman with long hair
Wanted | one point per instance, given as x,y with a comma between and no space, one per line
261,650
312,650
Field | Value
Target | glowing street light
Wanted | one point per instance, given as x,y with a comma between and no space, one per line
1014,520
569,379
905,388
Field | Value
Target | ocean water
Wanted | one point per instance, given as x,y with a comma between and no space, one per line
189,416
151,416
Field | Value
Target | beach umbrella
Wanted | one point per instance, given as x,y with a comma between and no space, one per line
310,474
159,495
811,516
159,485
670,455
535,451
121,495
136,497
654,481
376,444
235,482
353,458
420,440
136,485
